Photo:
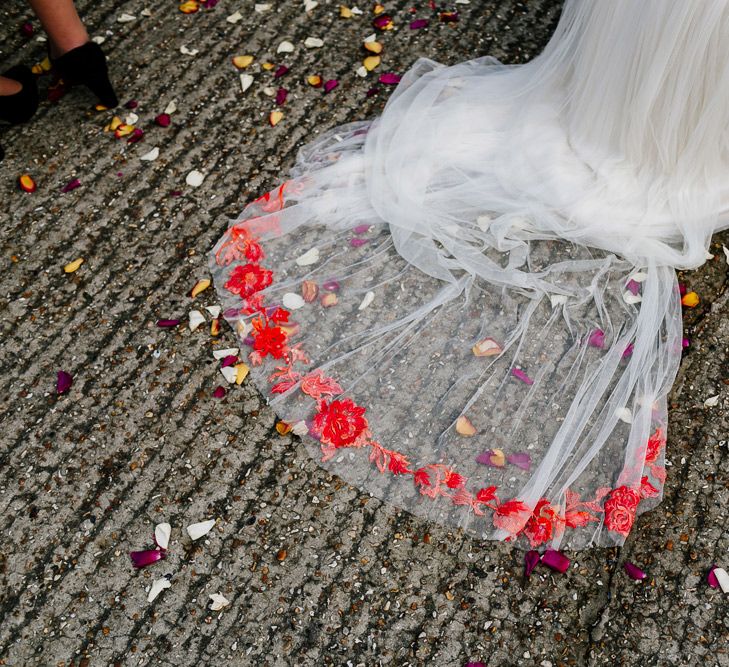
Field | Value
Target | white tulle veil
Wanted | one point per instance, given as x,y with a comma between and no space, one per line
468,306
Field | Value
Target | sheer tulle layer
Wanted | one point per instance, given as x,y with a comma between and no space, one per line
468,307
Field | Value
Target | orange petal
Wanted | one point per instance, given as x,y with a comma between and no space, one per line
200,286
215,327
309,290
690,300
71,267
123,130
275,117
189,7
241,62
329,300
371,62
314,80
283,428
465,427
487,347
45,64
378,9
373,47
267,66
101,107
26,183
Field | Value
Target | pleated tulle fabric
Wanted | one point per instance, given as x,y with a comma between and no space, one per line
468,306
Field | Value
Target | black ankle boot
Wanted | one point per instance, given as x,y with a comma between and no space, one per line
86,66
21,106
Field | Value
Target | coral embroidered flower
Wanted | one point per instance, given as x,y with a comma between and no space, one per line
317,385
453,480
511,516
620,509
248,279
270,340
421,477
538,530
253,251
339,423
647,490
398,464
655,444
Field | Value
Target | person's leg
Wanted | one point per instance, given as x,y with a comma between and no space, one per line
62,24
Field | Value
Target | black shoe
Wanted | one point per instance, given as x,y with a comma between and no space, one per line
86,65
21,106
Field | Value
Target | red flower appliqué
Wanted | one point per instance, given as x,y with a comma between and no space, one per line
655,444
248,279
269,339
339,423
620,509
317,385
511,516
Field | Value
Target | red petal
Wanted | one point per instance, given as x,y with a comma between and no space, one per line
63,382
167,324
219,392
163,120
556,560
531,559
389,78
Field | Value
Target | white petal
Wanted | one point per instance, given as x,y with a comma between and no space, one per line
158,585
371,38
125,18
357,10
214,311
146,12
557,300
151,156
708,255
723,578
227,352
309,257
198,530
362,71
711,402
195,178
99,39
234,18
196,319
639,277
300,428
219,601
483,222
310,4
293,301
631,298
313,42
285,47
261,7
171,107
624,415
368,299
268,90
246,81
229,373
188,52
726,252
243,327
162,532
131,119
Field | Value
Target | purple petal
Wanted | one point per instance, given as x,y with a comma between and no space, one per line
597,339
143,558
556,560
167,324
219,392
531,559
330,85
281,95
163,120
628,351
356,243
132,104
248,340
230,360
136,136
26,29
521,375
389,78
361,229
711,577
419,23
63,382
280,72
685,342
520,460
682,289
230,312
71,185
490,458
634,572
633,287
475,664
382,21
331,286
372,91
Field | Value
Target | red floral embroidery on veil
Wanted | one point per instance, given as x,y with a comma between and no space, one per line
339,423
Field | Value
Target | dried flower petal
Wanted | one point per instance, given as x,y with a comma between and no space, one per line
309,290
283,428
71,185
63,382
230,360
163,120
314,80
74,266
531,560
141,559
198,530
151,156
313,42
330,85
373,47
219,392
389,78
597,339
633,286
329,299
26,183
465,427
281,95
167,324
419,23
520,460
556,560
275,117
136,136
195,178
487,347
227,352
368,299
383,22
241,62
292,301
690,300
494,458
158,585
371,62
311,256
162,532
521,375
215,327
123,130
196,318
241,372
219,602
282,69
634,572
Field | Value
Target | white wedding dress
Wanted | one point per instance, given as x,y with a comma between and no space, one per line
468,306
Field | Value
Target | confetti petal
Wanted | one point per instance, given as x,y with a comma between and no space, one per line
234,18
313,43
26,183
196,318
151,156
64,381
275,117
246,81
634,572
690,300
597,339
330,85
293,301
241,62
487,347
74,266
371,62
219,392
71,185
281,95
227,352
163,120
520,460
141,559
419,24
521,375
285,47
198,530
195,178
531,560
309,257
465,427
167,324
368,299
389,78
556,560
712,401
199,287
162,532
218,602
494,458
158,585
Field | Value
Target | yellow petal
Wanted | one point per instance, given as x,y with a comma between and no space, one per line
200,286
275,117
329,299
241,62
241,372
189,7
378,9
283,428
465,427
215,327
73,266
26,183
45,64
690,300
314,80
373,47
345,12
487,347
123,130
101,107
371,62
267,66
